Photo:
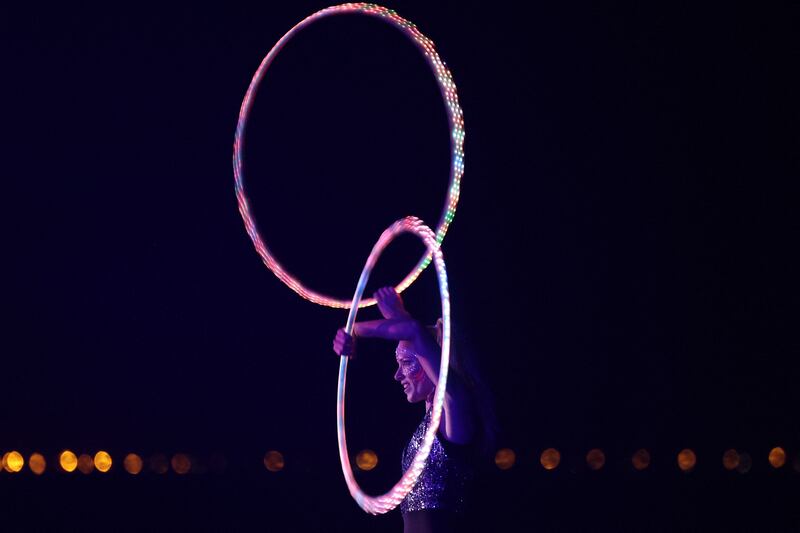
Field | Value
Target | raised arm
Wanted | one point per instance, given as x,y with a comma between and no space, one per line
457,423
457,419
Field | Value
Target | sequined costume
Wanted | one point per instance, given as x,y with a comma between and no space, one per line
443,482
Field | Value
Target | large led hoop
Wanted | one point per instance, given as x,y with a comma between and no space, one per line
454,113
390,500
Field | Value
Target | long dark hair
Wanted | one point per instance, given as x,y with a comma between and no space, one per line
465,365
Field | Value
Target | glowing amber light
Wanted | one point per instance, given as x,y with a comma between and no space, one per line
730,459
132,463
85,463
505,458
366,460
687,460
550,458
68,461
181,463
640,459
777,457
274,461
37,463
102,461
595,459
13,462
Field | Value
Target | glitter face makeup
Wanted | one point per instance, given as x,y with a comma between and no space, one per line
455,116
409,364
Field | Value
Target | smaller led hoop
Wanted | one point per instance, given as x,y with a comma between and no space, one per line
455,116
390,500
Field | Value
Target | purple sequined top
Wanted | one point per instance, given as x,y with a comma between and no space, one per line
443,482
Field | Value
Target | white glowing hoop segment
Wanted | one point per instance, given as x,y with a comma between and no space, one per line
456,118
390,500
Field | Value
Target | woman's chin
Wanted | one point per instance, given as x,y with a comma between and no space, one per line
413,399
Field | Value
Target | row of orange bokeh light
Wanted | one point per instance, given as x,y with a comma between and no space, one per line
68,462
640,460
14,462
366,460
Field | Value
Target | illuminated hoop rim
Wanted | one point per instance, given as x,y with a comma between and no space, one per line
390,500
456,118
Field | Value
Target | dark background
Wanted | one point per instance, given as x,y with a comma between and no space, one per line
622,260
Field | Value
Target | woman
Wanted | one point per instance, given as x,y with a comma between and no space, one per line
438,497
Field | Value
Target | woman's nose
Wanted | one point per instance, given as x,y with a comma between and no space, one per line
398,375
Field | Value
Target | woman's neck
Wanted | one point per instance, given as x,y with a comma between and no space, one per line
429,400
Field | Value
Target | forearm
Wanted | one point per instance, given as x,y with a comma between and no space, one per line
396,329
457,424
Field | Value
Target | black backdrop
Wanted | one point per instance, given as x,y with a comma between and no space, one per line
622,260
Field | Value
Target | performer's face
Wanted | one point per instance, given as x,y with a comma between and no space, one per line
410,374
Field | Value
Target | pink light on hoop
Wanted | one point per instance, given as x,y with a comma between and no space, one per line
390,500
456,118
